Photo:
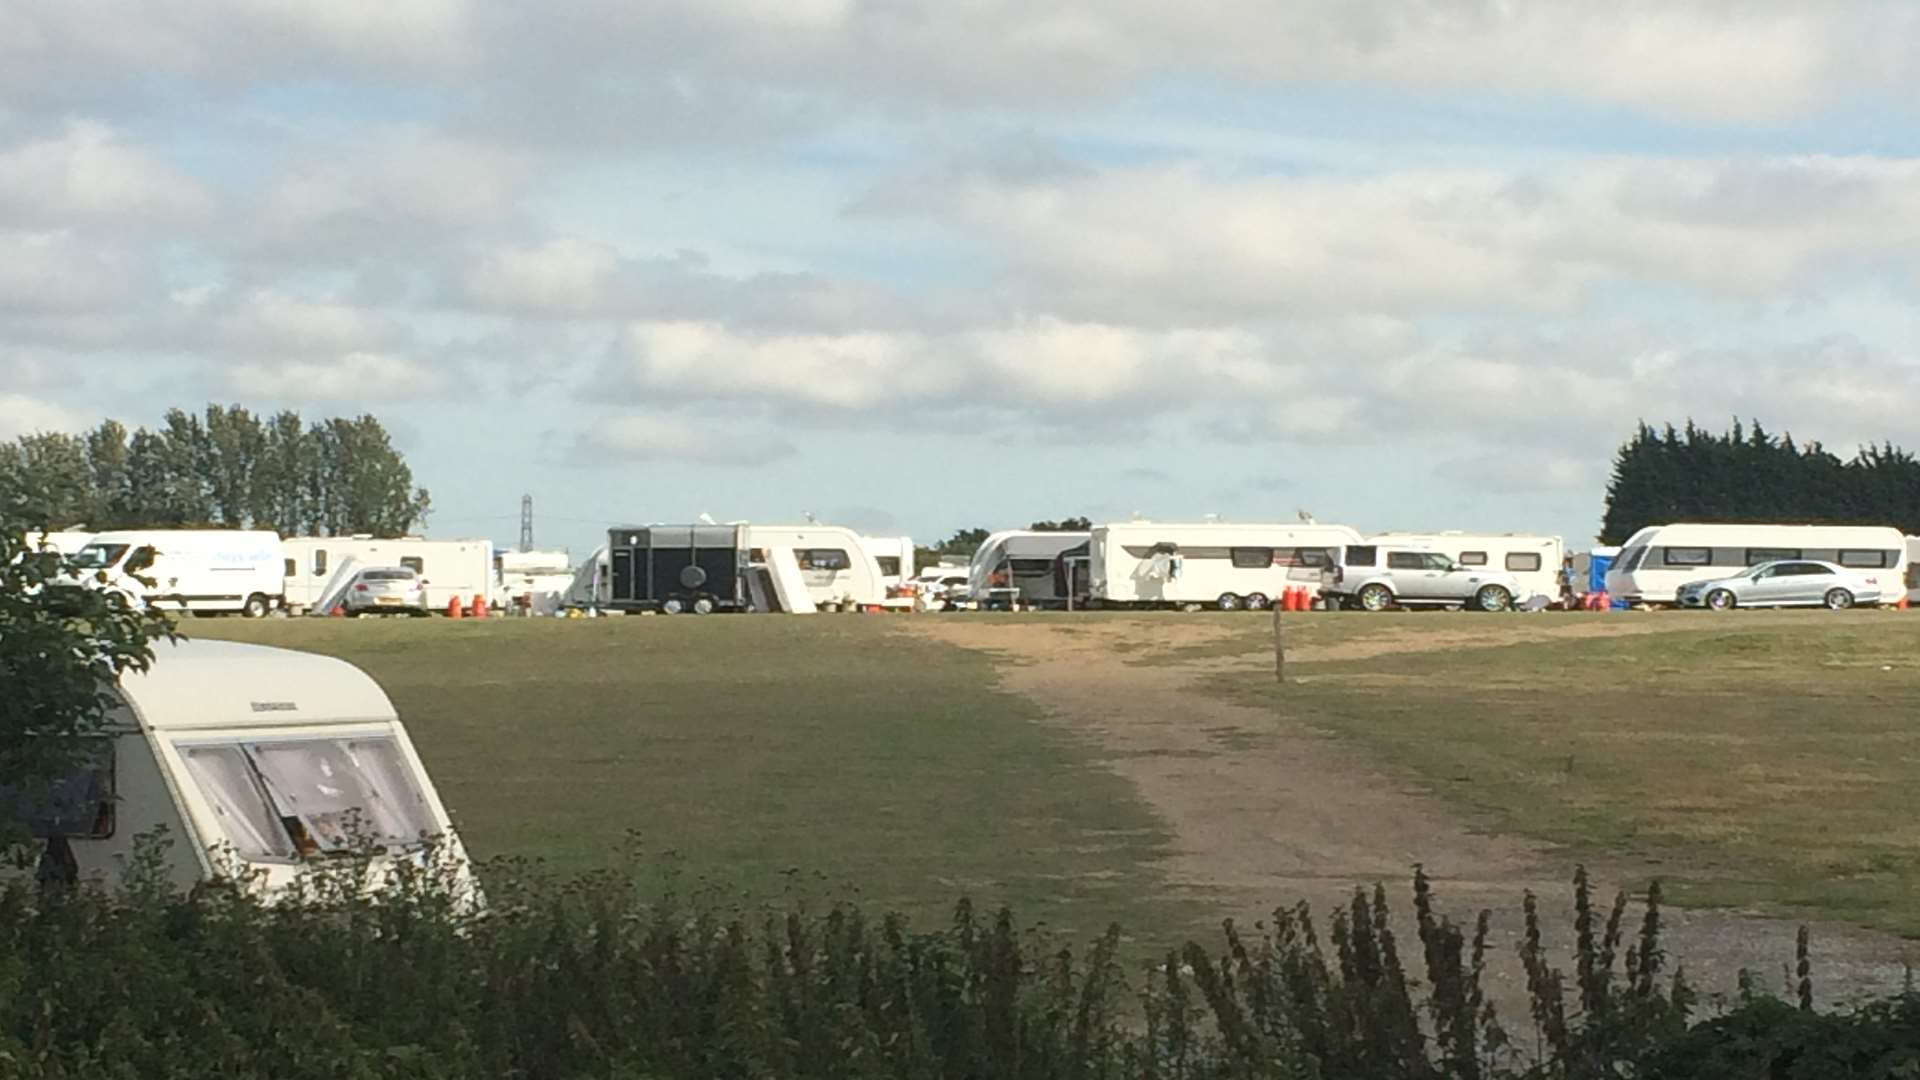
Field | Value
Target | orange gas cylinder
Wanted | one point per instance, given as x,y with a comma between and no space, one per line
478,609
453,608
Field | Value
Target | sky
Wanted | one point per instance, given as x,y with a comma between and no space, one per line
919,266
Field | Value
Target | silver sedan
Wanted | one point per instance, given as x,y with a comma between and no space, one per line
1787,583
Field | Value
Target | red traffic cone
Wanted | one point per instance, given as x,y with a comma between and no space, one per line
478,609
339,611
453,608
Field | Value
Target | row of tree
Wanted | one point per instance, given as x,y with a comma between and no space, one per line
964,542
1750,475
226,468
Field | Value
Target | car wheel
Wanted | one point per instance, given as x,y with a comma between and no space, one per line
256,607
1492,598
1720,600
1227,602
672,607
1839,599
1376,597
703,606
1258,601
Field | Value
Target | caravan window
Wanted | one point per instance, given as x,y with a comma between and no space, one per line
415,563
1630,561
240,804
78,805
1252,558
311,797
1031,568
1521,562
1756,556
1688,556
1865,560
319,561
1477,558
822,559
889,565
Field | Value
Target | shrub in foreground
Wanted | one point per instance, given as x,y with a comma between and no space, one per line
590,978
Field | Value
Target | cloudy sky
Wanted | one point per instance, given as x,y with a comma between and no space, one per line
924,264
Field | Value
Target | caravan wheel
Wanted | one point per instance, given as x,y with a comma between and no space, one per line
1258,601
703,606
1227,602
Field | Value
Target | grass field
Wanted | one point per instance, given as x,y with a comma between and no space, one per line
826,755
1758,760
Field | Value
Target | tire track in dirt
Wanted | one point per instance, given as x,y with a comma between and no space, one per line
1266,811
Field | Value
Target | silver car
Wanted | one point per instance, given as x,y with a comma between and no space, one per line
386,590
1786,583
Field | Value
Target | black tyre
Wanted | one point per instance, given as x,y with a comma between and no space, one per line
1492,598
672,607
1838,600
703,606
1720,600
1376,597
1258,601
1227,602
256,607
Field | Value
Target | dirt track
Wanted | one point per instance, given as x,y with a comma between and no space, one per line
1266,811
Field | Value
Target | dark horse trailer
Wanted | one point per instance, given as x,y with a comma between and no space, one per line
674,568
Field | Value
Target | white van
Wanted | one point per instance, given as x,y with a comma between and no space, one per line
452,569
1228,566
1658,559
257,762
198,570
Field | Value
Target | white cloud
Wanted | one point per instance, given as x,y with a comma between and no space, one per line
1178,244
666,437
566,275
56,271
362,378
280,325
22,415
90,173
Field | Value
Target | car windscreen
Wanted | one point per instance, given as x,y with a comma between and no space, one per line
281,798
99,556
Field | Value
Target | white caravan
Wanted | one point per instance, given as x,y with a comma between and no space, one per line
1534,561
896,557
450,568
1228,566
199,570
535,581
1658,559
1913,570
257,763
829,564
1019,568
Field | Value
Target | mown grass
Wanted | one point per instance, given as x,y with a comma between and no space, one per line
839,757
1756,760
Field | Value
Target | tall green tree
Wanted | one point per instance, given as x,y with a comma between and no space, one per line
110,494
235,444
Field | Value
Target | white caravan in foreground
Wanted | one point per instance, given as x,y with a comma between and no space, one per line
257,762
1534,561
814,568
1228,566
205,571
1658,559
318,565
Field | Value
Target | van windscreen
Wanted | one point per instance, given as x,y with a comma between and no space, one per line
99,556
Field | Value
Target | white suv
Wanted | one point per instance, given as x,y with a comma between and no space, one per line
1375,577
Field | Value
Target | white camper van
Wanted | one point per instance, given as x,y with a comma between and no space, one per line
199,570
1535,561
1658,559
816,567
1228,566
317,565
255,761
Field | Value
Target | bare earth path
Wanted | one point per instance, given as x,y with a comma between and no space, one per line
1265,811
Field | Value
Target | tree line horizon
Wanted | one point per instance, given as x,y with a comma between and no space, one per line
226,468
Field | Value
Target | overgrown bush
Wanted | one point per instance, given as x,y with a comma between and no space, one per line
589,978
